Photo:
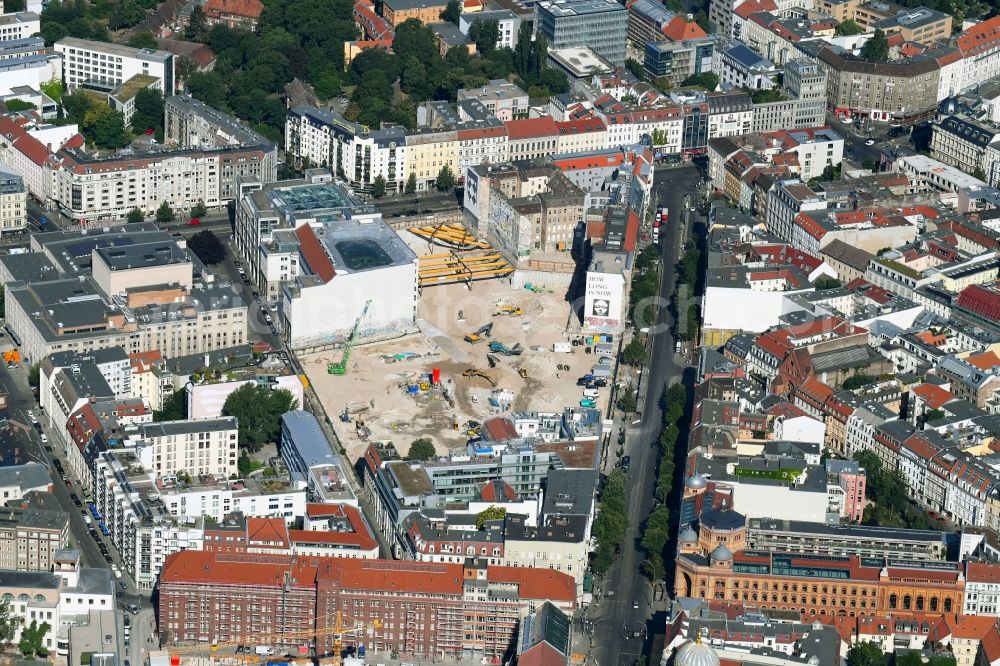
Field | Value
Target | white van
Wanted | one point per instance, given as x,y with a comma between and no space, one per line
591,393
264,650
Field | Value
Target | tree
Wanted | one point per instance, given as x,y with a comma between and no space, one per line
105,127
199,209
174,407
258,410
14,105
135,216
421,449
485,34
148,112
207,247
8,624
848,28
876,49
165,214
933,415
34,373
378,187
452,11
826,282
197,26
636,68
143,39
411,183
445,179
634,353
865,654
33,640
627,400
707,80
491,513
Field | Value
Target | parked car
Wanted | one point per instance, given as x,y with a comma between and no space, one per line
194,222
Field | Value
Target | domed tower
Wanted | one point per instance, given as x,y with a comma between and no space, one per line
696,653
721,557
722,527
687,541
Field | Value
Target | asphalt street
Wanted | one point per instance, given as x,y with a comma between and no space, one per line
628,610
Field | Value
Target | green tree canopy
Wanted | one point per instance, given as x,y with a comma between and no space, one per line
143,39
848,28
165,214
634,353
378,187
421,449
258,410
199,209
104,127
8,623
207,247
491,513
33,640
174,407
411,183
135,216
148,112
197,27
485,34
876,49
445,179
452,11
865,654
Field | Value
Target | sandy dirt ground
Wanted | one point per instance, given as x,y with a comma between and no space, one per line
375,388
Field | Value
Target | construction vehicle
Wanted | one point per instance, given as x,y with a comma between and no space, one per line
500,348
523,372
341,367
472,372
509,311
12,358
492,360
345,416
483,331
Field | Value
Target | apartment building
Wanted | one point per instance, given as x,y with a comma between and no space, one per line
475,608
428,150
101,190
791,536
13,204
900,90
600,25
236,14
19,25
197,447
508,22
103,66
190,123
971,146
501,98
920,25
354,152
31,536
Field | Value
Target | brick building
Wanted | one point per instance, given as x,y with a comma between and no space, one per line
410,609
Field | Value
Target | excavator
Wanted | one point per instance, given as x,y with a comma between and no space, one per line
509,311
482,332
472,372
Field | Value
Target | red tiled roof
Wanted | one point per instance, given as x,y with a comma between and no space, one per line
985,361
982,301
531,128
28,145
314,253
933,395
754,6
982,572
541,654
499,429
580,126
536,583
272,530
970,626
678,29
250,9
979,37
359,537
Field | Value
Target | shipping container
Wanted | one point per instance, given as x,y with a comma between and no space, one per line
601,371
562,347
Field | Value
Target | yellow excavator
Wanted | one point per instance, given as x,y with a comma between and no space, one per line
478,335
509,311
472,372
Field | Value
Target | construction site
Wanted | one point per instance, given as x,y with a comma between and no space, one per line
483,348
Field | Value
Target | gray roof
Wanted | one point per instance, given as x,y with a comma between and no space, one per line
847,254
152,55
28,266
184,427
29,579
569,492
95,581
142,255
31,475
307,437
894,534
